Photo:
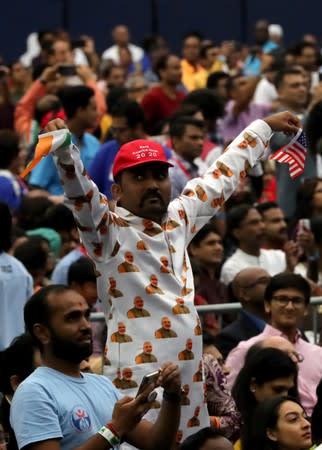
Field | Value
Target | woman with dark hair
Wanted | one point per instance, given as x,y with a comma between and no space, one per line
17,362
279,423
267,372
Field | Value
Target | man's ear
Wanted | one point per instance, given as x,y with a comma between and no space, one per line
271,434
42,333
116,191
267,307
14,382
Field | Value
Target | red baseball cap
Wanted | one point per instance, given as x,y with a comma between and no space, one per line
140,151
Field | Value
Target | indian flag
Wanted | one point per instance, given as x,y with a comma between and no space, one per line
47,143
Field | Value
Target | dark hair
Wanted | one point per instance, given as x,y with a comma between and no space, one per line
151,42
74,97
300,46
264,365
81,271
197,440
52,104
203,233
161,64
304,197
32,255
115,95
287,280
59,218
266,206
177,127
9,147
194,34
31,212
205,47
5,227
316,228
129,109
236,215
214,78
283,73
316,418
265,418
37,310
210,104
313,128
17,359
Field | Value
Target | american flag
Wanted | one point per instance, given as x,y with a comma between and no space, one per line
294,154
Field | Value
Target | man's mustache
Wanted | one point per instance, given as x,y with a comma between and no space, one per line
151,194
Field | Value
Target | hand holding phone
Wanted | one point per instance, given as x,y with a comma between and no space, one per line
151,379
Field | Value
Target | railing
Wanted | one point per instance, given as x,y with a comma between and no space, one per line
235,307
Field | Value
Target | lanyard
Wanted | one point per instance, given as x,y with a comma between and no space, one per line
182,167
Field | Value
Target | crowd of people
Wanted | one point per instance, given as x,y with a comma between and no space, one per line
155,195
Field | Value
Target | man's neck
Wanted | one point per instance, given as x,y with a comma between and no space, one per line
250,250
75,128
209,270
61,365
169,89
273,245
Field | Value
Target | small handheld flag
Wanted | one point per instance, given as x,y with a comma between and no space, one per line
47,143
294,154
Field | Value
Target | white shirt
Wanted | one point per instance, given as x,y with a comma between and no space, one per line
113,53
110,236
16,286
265,92
273,261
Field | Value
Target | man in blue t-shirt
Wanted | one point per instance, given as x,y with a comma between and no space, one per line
127,125
58,407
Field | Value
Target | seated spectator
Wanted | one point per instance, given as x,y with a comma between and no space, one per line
209,62
286,300
248,288
48,315
275,225
246,227
206,438
34,257
267,372
121,38
12,161
207,251
16,284
190,63
81,277
17,362
30,214
280,423
218,83
221,405
163,100
187,138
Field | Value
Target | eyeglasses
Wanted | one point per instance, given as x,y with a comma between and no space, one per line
4,438
262,280
284,300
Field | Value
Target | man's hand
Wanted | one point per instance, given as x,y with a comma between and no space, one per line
292,252
49,74
170,378
85,73
284,121
54,125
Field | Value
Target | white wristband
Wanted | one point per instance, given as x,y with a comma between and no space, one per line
111,438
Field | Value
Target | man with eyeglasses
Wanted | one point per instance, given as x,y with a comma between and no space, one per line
286,301
248,288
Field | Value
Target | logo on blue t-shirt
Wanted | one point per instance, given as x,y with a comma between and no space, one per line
80,419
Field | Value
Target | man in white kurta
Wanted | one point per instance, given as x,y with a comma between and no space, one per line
147,258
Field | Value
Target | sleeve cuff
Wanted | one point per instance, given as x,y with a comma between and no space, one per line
262,129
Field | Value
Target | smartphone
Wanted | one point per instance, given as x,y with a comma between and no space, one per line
304,224
67,70
149,379
79,43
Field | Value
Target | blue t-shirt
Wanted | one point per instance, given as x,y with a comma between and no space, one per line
60,273
45,175
51,405
101,168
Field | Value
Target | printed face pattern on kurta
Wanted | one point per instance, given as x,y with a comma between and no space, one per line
145,275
